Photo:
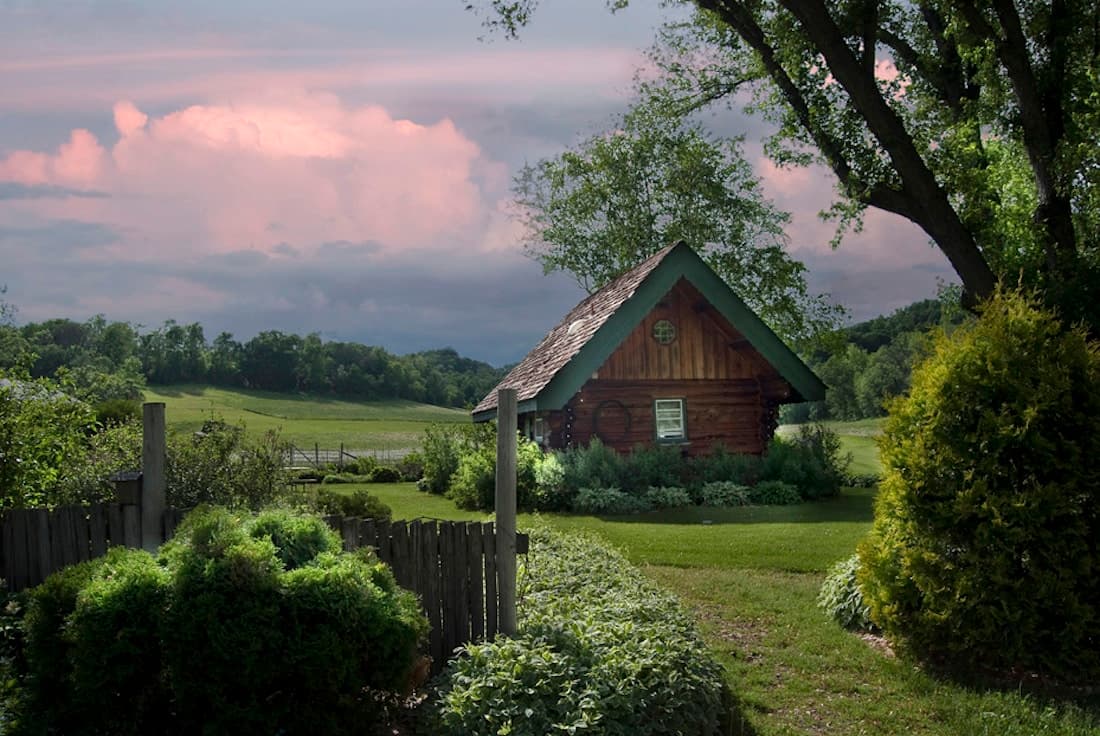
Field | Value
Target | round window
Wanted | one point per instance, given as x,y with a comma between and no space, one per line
664,331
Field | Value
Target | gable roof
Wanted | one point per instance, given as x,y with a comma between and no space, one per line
560,364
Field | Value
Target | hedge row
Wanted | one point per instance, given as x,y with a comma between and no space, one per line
600,650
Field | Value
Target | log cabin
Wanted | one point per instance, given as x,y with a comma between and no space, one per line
665,354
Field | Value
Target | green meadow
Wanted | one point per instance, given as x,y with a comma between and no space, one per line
305,420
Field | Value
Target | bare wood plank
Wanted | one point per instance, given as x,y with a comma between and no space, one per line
79,520
131,526
114,525
39,547
349,530
435,617
172,520
97,530
489,543
20,569
57,554
523,544
384,549
476,593
7,542
462,601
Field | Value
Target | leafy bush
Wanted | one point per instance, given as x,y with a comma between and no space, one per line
473,486
216,635
443,447
841,597
411,466
550,492
359,504
86,478
774,493
594,466
667,497
725,493
385,474
984,547
333,479
600,649
117,614
811,462
365,465
723,465
860,480
656,466
223,465
117,411
610,501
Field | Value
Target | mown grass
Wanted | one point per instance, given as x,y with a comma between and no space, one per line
305,420
751,576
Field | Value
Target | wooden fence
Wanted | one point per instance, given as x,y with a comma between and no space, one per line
318,456
452,566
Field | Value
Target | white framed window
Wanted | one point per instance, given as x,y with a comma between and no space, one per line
540,431
669,415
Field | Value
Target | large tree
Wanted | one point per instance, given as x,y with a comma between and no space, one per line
600,208
976,121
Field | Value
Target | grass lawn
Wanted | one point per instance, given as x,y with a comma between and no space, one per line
305,420
858,437
751,576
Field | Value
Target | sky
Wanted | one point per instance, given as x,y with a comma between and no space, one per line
336,166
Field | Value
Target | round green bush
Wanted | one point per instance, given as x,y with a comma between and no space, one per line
610,501
987,526
724,493
667,497
774,493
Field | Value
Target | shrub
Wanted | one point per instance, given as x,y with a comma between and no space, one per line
217,636
365,465
445,444
333,479
550,492
611,501
385,474
222,465
358,504
411,466
117,411
298,538
984,547
473,485
807,462
841,597
593,466
599,649
723,465
115,660
725,493
667,497
656,466
774,493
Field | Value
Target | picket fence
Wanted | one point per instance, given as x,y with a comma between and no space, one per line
453,567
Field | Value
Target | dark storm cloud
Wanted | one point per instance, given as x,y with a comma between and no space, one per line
14,191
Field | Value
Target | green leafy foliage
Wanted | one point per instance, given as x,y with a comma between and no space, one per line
612,501
360,504
223,465
724,493
600,650
774,493
841,597
473,485
985,542
241,625
42,431
444,445
667,497
594,465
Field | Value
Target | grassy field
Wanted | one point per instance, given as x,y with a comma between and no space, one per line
305,420
751,576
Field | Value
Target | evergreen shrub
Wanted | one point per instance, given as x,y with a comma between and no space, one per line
986,543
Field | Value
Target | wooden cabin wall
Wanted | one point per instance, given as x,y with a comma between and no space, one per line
620,413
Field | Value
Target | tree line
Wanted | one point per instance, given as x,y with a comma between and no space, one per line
115,360
865,364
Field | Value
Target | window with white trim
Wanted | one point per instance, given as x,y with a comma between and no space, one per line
669,415
540,431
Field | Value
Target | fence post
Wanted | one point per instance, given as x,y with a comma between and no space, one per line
153,457
506,508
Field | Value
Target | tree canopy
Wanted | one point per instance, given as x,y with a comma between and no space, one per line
975,121
601,208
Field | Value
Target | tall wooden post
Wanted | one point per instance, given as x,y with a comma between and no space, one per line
506,508
153,459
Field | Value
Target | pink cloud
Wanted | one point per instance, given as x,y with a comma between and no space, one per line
303,170
78,162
